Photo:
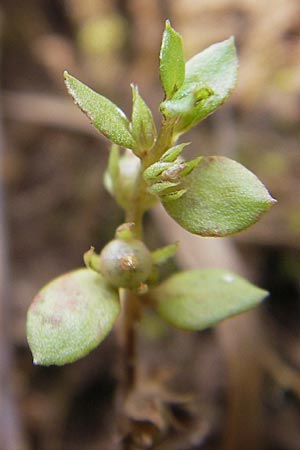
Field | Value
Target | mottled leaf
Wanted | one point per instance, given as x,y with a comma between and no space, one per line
198,299
104,115
221,197
210,77
70,316
172,66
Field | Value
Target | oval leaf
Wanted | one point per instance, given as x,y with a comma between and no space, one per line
198,299
221,197
70,316
172,66
105,115
209,80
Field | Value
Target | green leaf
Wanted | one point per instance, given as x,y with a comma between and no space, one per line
198,299
172,66
162,254
70,316
221,198
143,126
104,115
209,80
174,152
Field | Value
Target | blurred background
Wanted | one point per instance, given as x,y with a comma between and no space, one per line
234,388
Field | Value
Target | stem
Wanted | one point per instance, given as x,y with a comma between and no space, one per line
128,359
136,211
130,313
131,305
164,141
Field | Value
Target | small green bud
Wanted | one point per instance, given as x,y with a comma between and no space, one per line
120,178
125,263
164,178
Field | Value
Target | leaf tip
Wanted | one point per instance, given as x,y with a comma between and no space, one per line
168,24
67,80
230,42
264,294
134,89
270,202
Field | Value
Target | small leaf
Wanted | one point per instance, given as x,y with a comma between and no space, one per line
172,66
198,299
105,115
222,197
91,259
143,126
70,316
162,254
162,188
153,172
173,153
209,80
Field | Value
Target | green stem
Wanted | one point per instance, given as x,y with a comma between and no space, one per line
136,211
130,301
164,141
128,359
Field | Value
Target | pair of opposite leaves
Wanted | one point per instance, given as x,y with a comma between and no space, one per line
74,313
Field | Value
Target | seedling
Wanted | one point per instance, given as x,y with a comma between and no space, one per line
208,196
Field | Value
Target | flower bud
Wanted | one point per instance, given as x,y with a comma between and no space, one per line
125,263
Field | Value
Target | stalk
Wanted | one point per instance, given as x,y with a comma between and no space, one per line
128,361
136,211
131,305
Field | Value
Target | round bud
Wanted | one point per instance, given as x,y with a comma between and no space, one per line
125,263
